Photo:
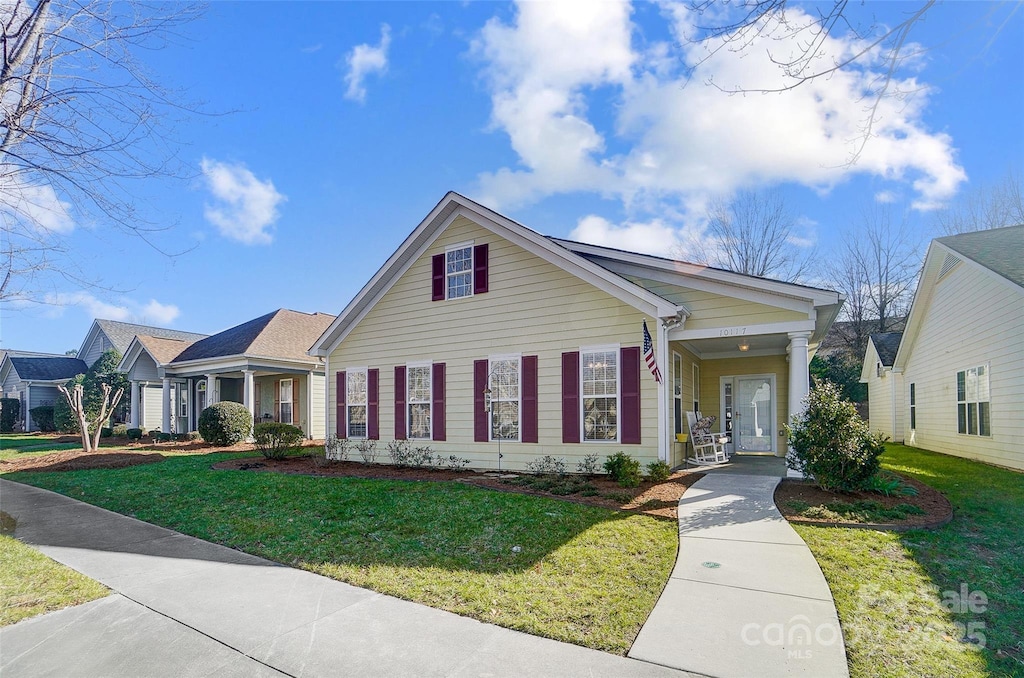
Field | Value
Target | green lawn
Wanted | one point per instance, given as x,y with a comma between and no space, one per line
581,574
900,596
31,583
24,444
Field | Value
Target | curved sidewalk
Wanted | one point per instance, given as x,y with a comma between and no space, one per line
186,607
746,597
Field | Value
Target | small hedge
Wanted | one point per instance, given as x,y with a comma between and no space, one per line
134,433
42,417
10,408
624,469
225,423
275,440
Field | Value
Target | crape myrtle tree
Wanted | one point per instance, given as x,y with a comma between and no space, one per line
80,120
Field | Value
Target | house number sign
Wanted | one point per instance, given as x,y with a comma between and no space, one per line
732,332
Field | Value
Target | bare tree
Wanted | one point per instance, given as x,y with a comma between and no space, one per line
754,233
80,119
877,270
985,207
91,430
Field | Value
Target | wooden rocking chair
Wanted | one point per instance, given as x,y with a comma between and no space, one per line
708,447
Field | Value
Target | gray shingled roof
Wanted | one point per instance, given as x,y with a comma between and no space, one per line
121,334
283,334
48,369
999,249
886,345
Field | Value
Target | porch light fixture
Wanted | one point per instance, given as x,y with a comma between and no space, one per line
744,346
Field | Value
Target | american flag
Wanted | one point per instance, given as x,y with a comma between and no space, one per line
652,362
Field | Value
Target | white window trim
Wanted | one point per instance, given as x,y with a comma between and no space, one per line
912,414
408,400
366,372
695,375
281,401
518,357
677,373
617,348
967,403
472,267
182,390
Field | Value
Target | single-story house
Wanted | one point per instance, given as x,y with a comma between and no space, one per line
33,379
885,386
961,355
262,363
489,341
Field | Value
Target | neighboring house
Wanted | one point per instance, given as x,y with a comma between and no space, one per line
262,363
479,334
33,379
885,386
961,355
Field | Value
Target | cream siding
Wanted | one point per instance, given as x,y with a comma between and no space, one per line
886,412
316,411
711,372
532,308
974,318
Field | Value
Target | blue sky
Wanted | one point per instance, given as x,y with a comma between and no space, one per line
335,127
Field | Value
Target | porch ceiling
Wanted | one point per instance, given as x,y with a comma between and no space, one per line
722,347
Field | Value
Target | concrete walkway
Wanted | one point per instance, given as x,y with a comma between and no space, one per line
185,607
746,597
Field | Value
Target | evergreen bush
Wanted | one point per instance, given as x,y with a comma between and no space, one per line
624,469
275,440
42,417
225,423
10,408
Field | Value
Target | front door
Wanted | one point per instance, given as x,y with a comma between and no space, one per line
748,404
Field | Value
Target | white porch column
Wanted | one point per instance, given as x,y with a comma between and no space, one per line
28,406
799,378
190,406
309,405
135,404
211,390
249,393
664,402
165,423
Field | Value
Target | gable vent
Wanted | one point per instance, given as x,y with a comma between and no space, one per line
948,264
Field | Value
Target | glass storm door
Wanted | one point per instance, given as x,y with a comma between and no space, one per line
753,417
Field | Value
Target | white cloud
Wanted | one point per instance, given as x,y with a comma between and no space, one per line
675,140
152,312
886,197
362,61
246,207
655,237
35,205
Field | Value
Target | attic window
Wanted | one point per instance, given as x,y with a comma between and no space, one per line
459,271
948,264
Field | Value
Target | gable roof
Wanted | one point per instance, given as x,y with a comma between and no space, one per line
997,249
163,350
121,334
48,369
886,346
282,334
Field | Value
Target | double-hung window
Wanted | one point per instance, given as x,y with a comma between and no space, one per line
600,377
418,401
182,400
355,403
285,401
972,402
459,271
503,385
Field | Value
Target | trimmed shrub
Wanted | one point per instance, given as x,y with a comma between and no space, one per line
275,440
106,431
658,471
832,443
134,433
193,436
120,430
225,423
42,417
10,408
624,469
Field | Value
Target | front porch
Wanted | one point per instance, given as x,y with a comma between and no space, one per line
747,465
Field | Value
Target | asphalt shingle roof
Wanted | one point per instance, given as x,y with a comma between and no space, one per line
997,249
283,334
121,334
886,344
48,369
163,350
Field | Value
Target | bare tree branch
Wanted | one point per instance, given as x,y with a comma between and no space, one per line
985,207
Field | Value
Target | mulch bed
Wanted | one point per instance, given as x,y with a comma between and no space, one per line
937,509
77,460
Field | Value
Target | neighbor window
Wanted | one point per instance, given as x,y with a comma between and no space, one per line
972,402
913,407
355,403
418,401
600,376
182,400
503,385
285,415
459,271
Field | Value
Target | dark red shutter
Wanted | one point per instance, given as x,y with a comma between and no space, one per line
571,397
529,433
437,413
629,427
373,404
480,269
341,429
437,278
480,415
400,433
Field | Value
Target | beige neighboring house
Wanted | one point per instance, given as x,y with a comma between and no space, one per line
961,355
885,386
262,364
479,334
